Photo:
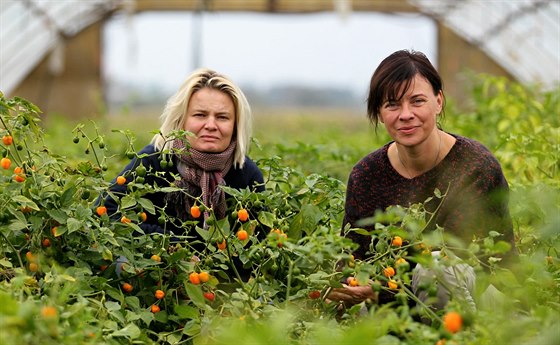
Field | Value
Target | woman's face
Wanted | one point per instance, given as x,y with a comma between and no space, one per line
211,118
411,120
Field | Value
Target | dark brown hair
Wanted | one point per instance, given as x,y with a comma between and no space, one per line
395,74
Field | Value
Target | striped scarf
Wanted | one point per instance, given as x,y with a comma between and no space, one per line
201,171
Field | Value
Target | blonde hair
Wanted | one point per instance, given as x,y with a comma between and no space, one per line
173,116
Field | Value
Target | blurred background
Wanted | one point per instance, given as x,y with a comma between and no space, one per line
84,59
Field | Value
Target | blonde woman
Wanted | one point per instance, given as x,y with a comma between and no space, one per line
202,145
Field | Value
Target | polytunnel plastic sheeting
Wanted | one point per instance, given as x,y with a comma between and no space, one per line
30,29
523,36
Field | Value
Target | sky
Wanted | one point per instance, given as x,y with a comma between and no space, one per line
260,50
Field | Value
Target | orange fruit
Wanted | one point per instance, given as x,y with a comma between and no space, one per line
18,170
48,312
401,261
46,242
159,294
194,278
314,294
125,220
143,216
53,230
389,272
101,210
19,178
243,215
442,341
154,308
209,296
195,211
33,267
452,321
127,287
397,241
242,235
156,258
30,257
222,245
5,163
121,180
7,139
352,281
392,284
204,277
103,267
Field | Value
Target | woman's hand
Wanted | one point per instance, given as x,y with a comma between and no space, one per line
351,295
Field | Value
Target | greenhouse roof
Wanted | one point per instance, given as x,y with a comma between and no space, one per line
523,36
30,29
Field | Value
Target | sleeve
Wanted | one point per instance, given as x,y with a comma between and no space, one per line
257,181
483,204
351,215
249,176
148,158
495,198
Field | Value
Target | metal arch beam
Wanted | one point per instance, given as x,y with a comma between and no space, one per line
513,16
274,6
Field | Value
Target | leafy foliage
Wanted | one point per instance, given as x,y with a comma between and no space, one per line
70,273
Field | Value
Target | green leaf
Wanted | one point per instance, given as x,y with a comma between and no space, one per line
25,202
132,316
17,225
136,228
106,254
82,212
147,205
58,215
195,294
501,247
60,230
267,218
132,301
130,331
111,305
6,263
146,316
114,293
67,197
128,201
73,225
204,234
186,312
305,221
9,306
161,316
191,328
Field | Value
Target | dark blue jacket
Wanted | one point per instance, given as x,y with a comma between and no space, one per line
249,176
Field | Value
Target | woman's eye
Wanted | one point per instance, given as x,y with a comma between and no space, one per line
391,105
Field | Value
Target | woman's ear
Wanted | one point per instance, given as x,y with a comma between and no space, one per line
439,102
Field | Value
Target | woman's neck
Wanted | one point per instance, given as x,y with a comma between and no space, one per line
413,161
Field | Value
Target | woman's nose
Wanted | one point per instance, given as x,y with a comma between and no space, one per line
406,111
210,122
